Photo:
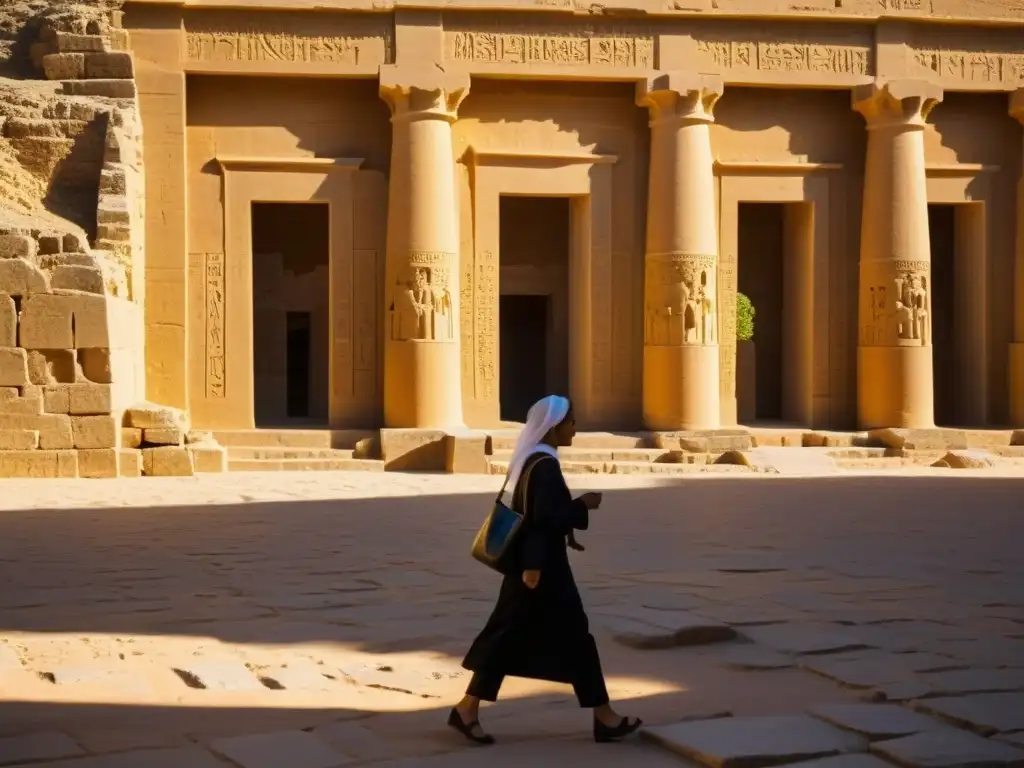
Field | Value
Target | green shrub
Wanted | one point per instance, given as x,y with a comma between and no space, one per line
745,313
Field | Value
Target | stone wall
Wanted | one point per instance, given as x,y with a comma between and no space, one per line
72,266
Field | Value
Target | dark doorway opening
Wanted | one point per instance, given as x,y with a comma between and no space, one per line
762,246
291,309
533,309
942,234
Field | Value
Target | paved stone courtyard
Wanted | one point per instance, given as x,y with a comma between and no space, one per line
318,621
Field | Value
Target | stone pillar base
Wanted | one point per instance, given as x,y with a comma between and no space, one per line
1017,384
894,388
681,388
421,386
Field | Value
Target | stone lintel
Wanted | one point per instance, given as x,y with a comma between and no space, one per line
1017,104
423,92
896,103
689,96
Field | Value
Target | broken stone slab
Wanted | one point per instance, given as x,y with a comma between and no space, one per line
920,439
754,742
219,676
905,690
151,415
649,628
802,639
33,747
961,681
875,721
751,657
969,459
272,750
986,713
752,461
948,748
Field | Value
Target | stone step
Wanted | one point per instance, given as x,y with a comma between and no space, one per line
505,440
630,468
576,453
244,452
291,438
304,465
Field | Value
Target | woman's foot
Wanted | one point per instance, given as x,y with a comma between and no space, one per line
469,726
610,726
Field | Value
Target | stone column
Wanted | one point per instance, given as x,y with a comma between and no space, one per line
1017,345
422,376
894,351
681,389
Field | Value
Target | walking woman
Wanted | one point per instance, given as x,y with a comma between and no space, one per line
538,628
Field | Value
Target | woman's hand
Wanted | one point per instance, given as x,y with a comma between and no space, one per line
591,500
531,579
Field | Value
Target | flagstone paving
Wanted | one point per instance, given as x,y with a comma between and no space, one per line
835,622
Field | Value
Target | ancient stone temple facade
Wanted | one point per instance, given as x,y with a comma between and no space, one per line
365,215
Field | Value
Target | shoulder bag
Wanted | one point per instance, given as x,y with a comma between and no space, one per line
495,541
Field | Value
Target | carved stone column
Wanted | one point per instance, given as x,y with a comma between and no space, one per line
1017,345
894,351
422,377
681,389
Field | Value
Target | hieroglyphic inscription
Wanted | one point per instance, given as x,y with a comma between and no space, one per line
788,57
215,368
364,290
898,308
727,318
467,351
622,336
902,5
584,48
680,299
487,324
603,307
1005,69
421,306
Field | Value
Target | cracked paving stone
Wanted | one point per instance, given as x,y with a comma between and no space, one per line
295,749
948,748
647,628
185,757
797,639
861,671
984,712
33,747
219,676
905,690
752,657
842,761
876,721
753,742
976,681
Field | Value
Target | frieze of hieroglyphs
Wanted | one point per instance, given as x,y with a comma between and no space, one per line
215,367
486,324
903,5
853,60
254,39
585,46
1000,69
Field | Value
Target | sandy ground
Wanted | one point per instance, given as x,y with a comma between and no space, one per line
254,619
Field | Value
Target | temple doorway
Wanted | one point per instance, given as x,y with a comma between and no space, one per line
291,303
775,243
957,240
533,310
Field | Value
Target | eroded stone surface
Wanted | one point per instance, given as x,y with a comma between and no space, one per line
875,721
639,627
985,712
803,639
946,748
976,681
273,750
219,676
750,742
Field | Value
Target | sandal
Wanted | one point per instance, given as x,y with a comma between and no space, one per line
604,734
466,729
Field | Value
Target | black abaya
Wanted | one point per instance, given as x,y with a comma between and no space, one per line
540,633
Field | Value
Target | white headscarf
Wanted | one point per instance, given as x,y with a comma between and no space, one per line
542,416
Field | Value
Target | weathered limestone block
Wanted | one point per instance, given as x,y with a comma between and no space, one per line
97,365
81,399
207,457
98,462
78,278
131,437
113,209
54,429
200,436
114,65
151,415
17,247
744,459
8,322
78,320
705,441
43,463
19,439
412,450
70,42
95,431
920,439
163,436
29,404
56,399
464,454
20,278
13,367
50,244
64,66
1017,438
970,459
130,463
52,366
167,461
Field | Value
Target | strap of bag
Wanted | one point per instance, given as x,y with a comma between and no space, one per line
524,477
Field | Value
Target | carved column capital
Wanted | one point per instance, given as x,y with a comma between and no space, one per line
897,103
681,96
1017,105
423,94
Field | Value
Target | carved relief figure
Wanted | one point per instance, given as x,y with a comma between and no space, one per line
912,307
421,308
680,302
